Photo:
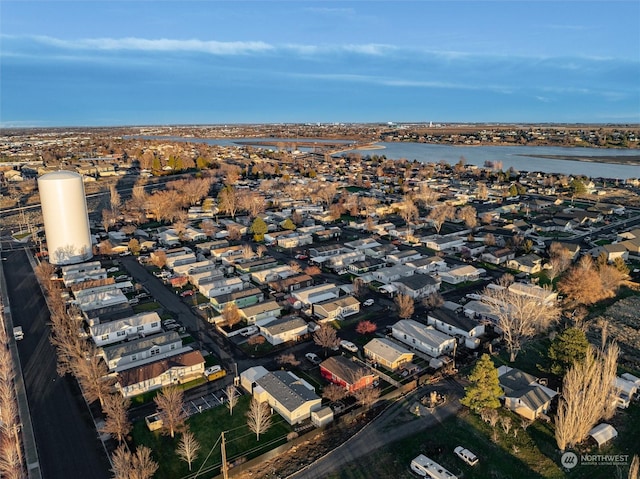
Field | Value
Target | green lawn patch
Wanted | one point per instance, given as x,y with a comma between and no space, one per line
144,307
207,426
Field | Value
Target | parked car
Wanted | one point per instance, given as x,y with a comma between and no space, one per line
301,256
114,269
313,358
188,292
342,271
349,346
250,331
212,370
466,455
368,302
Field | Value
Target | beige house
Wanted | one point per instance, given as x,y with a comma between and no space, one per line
336,308
173,370
387,353
523,393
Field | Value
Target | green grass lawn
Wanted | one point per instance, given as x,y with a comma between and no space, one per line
240,440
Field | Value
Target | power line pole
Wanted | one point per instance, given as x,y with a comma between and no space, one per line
225,472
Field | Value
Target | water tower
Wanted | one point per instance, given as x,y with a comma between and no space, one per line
66,221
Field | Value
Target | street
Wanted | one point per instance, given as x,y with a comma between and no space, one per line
66,439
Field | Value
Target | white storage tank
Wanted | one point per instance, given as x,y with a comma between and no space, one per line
66,221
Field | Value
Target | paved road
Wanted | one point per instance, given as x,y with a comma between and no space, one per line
391,426
67,442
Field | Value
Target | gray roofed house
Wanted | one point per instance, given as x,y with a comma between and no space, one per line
523,394
144,350
417,285
286,329
455,324
293,398
424,338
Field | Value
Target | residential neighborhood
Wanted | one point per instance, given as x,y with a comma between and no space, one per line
294,295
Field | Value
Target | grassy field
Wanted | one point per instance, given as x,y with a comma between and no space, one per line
529,453
207,426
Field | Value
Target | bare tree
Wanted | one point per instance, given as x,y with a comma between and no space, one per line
232,397
587,396
142,466
247,251
228,201
170,408
159,258
634,467
256,340
259,417
312,270
326,337
333,392
261,250
359,288
367,396
188,448
439,214
559,259
434,300
519,317
288,359
231,314
469,215
91,372
405,304
114,198
116,423
121,463
408,210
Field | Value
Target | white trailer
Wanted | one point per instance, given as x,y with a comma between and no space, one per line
425,467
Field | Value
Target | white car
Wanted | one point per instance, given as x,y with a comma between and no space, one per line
349,346
368,302
250,331
313,358
212,370
466,455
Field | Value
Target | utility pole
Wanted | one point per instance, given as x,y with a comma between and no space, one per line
225,472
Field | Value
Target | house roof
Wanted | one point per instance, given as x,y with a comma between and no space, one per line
450,317
523,386
260,308
126,323
333,304
138,345
417,281
425,334
287,389
386,349
345,369
283,325
157,368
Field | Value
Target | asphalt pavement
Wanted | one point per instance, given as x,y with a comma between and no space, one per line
67,442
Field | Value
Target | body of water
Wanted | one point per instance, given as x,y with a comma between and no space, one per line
521,158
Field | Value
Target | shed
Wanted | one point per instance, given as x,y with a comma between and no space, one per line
603,433
322,417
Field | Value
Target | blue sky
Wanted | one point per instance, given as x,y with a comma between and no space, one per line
181,62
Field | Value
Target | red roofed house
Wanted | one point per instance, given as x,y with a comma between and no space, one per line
172,370
346,373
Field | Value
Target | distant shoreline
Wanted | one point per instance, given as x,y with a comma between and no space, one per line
613,159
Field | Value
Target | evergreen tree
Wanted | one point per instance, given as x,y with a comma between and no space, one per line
258,228
484,391
288,224
567,348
